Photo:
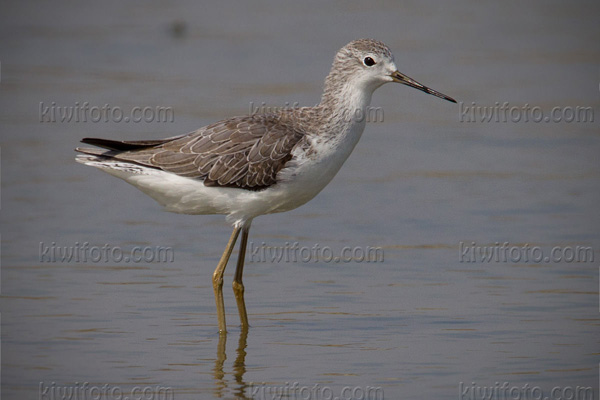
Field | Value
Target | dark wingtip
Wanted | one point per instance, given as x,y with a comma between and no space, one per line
97,141
124,145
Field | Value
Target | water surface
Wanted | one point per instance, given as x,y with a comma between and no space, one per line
423,323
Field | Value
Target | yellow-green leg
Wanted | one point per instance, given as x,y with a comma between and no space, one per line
218,279
238,285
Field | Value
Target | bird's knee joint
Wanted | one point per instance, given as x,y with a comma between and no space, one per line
217,281
238,287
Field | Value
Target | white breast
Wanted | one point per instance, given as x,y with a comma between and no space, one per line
309,172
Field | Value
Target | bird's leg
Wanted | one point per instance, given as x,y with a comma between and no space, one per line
218,279
238,285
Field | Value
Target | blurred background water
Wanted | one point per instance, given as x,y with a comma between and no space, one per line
422,323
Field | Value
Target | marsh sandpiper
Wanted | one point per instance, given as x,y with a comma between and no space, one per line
258,164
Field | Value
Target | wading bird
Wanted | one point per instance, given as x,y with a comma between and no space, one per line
258,164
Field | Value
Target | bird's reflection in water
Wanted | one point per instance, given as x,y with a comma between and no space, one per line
222,384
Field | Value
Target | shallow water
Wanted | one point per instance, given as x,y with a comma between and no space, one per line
433,319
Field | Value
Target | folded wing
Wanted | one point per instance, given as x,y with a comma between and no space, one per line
245,152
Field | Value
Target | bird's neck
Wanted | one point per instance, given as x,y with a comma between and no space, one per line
342,112
345,98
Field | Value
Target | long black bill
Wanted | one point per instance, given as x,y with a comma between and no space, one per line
401,78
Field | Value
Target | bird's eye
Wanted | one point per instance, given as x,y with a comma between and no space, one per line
369,62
